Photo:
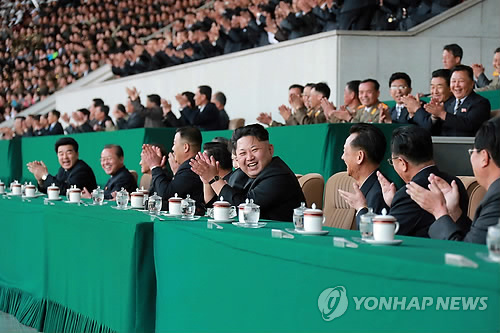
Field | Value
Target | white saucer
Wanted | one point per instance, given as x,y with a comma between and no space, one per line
10,194
72,202
126,208
102,204
190,218
391,242
170,215
311,233
221,221
33,197
57,199
251,226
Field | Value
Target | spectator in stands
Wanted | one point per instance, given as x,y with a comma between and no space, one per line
207,116
315,114
219,100
412,159
92,109
346,111
356,14
370,110
82,123
467,111
441,201
187,143
289,114
452,56
482,82
134,119
364,150
112,162
103,120
152,113
187,110
400,87
272,185
55,127
73,171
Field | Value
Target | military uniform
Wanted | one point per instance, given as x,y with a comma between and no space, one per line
335,120
369,114
306,117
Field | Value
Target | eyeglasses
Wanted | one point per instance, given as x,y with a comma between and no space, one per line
398,87
473,150
391,160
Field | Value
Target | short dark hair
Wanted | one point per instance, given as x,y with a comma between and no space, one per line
98,102
121,108
104,108
220,97
20,117
55,113
225,141
155,99
256,130
455,49
207,91
310,85
67,141
117,148
353,86
297,86
463,68
192,135
497,50
412,142
371,140
322,88
488,138
400,76
190,96
221,154
375,83
84,111
442,73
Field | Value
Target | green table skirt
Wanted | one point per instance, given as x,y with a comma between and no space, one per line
243,280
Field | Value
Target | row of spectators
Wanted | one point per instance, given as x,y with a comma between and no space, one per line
48,47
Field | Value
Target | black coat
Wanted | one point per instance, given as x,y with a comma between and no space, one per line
56,130
276,190
122,178
80,175
415,221
373,194
486,215
135,120
208,119
403,117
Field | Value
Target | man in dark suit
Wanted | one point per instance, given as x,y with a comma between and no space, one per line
357,14
219,100
364,150
441,200
400,86
81,116
104,121
187,143
206,117
467,111
135,119
73,171
112,163
152,113
55,127
271,184
412,158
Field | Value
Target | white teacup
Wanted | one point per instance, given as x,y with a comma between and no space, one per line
313,219
2,187
16,189
137,200
74,195
223,210
384,230
53,192
29,191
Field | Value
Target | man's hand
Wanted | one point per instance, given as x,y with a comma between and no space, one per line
86,194
342,113
451,195
150,157
296,101
356,200
38,169
431,200
265,118
133,94
436,109
118,114
174,166
166,106
384,116
182,100
388,189
65,117
411,103
478,69
205,167
327,107
285,112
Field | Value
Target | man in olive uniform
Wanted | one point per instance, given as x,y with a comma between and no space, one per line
371,108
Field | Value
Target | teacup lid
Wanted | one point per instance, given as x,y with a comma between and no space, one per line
137,193
1,182
368,217
249,204
142,190
384,217
74,189
154,197
188,200
175,198
53,187
313,211
15,183
30,185
221,203
300,210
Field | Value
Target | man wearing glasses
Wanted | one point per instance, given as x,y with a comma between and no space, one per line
400,86
441,200
412,158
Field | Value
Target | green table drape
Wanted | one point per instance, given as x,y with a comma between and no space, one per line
10,160
69,268
243,280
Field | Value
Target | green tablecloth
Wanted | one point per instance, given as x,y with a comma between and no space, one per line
242,280
10,160
68,268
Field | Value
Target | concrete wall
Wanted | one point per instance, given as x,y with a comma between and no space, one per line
257,80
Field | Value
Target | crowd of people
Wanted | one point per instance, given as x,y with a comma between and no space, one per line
51,45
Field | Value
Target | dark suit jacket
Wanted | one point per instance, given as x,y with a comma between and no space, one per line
186,118
152,117
56,130
208,119
223,120
184,182
373,193
423,119
122,178
486,215
276,190
80,175
415,221
403,118
473,112
135,120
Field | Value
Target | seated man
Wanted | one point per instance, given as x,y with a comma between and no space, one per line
483,83
315,114
207,116
296,102
103,120
467,111
219,152
400,86
412,158
152,113
55,127
272,185
441,201
81,124
145,170
73,171
112,163
370,110
187,144
364,150
135,118
346,111
452,56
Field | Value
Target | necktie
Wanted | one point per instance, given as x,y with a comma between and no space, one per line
458,106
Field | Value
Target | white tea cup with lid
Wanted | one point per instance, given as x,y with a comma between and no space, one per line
137,199
15,187
53,192
74,194
384,227
313,219
174,205
223,210
2,187
29,190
